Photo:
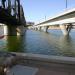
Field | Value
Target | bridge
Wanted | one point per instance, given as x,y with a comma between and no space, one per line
12,18
64,21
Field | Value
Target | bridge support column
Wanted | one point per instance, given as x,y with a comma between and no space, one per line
10,30
39,28
20,30
13,30
5,30
66,28
35,28
45,28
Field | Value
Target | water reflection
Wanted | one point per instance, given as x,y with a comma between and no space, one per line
66,45
51,43
66,40
13,43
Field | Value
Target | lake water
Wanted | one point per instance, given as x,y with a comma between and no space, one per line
51,43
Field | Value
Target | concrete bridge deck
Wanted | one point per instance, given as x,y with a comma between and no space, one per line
65,21
68,16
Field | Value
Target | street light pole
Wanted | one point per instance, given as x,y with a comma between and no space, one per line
45,17
66,4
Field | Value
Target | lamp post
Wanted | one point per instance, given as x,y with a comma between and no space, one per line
45,17
66,4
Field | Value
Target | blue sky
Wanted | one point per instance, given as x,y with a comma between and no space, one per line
36,10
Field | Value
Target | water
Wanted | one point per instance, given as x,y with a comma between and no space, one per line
51,43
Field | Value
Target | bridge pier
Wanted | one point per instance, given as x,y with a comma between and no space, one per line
39,28
66,28
35,28
45,28
20,30
10,30
13,30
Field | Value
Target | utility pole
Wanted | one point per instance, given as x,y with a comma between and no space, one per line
45,17
66,4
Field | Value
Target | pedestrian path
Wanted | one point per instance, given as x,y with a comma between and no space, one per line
22,70
28,70
32,64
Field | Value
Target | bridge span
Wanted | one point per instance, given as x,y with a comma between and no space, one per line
64,21
12,17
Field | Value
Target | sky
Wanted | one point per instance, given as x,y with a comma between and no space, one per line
37,10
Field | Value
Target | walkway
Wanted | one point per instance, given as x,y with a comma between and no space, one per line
34,66
27,70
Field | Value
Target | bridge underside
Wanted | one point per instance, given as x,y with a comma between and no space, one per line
65,28
64,21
